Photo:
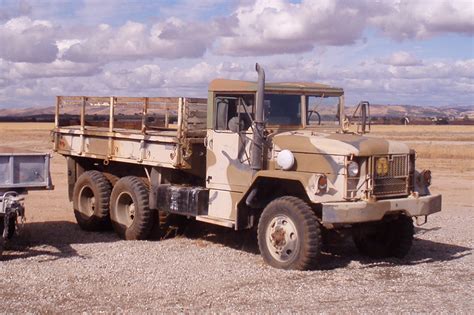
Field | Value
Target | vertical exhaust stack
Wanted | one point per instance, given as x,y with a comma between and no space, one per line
256,162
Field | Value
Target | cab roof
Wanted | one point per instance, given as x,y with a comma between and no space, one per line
225,85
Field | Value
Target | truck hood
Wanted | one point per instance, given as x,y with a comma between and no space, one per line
307,141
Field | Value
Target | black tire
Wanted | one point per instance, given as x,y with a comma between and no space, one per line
289,234
11,227
91,197
131,216
384,239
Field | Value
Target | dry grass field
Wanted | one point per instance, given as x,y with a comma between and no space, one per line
54,267
434,142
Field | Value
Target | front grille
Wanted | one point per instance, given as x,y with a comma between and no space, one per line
392,181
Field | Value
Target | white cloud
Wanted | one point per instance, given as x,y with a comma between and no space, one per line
437,70
433,82
401,58
193,79
406,19
268,27
94,49
26,40
59,68
277,26
172,38
14,9
143,77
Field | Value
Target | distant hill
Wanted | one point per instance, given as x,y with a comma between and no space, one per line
376,110
413,111
31,111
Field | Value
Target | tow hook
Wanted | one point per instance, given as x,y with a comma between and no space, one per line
420,223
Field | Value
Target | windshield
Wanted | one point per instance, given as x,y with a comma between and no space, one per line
322,111
283,109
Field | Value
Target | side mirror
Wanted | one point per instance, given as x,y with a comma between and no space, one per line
222,114
363,126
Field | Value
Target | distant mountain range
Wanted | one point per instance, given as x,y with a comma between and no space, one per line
413,111
376,110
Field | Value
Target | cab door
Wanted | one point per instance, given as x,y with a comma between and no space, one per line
228,159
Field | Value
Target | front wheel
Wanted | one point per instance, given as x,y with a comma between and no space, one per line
289,234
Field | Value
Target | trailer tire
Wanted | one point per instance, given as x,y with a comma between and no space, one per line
91,197
131,216
289,234
11,227
392,238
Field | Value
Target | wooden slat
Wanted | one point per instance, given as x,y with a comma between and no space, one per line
201,107
196,100
163,100
127,99
202,115
71,98
191,120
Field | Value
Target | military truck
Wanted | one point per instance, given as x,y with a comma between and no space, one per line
278,157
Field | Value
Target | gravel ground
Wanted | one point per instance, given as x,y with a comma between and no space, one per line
54,267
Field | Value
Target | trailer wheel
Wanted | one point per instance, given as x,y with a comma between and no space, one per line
11,231
289,234
385,239
11,227
131,216
91,201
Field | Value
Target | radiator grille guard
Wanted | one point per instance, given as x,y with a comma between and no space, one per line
393,180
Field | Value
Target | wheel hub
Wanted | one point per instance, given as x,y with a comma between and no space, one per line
86,201
278,237
131,211
91,202
126,209
282,238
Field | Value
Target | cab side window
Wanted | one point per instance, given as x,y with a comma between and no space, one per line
234,112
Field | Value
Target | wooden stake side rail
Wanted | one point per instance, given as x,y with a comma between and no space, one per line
158,131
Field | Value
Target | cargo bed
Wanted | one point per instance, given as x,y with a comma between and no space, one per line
150,131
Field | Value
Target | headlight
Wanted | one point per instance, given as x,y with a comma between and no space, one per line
352,168
285,159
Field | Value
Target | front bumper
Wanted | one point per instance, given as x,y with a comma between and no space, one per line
366,211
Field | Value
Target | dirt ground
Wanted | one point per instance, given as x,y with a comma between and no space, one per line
54,267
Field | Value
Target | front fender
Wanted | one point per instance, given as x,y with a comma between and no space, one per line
303,184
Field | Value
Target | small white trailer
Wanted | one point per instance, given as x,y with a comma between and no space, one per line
20,172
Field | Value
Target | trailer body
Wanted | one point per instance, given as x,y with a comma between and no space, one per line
20,172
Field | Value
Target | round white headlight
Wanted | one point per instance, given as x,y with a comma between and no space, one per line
352,168
285,159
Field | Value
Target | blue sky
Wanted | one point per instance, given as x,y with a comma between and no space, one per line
418,52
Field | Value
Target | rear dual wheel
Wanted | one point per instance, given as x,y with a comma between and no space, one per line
126,206
131,216
91,201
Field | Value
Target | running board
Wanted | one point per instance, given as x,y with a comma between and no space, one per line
217,221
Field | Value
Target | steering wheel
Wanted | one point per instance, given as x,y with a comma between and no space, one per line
310,113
